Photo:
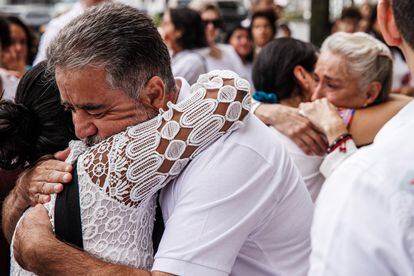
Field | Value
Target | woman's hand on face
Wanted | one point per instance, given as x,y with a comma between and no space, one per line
325,117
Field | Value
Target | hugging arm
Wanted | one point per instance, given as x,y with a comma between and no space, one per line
365,124
54,257
292,124
32,187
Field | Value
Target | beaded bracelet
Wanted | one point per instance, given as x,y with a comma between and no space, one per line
339,141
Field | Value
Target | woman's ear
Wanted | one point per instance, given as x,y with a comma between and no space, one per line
374,89
302,77
153,93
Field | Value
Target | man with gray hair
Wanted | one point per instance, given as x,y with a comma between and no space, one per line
240,207
364,220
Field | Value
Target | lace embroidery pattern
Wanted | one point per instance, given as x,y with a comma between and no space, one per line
131,166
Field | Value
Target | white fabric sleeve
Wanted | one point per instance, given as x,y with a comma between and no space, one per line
255,104
45,40
335,158
357,230
218,208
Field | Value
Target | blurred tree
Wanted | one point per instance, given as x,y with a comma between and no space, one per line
320,24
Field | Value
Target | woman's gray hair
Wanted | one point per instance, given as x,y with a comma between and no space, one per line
119,39
367,59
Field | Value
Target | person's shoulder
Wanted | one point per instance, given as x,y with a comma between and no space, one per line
64,18
193,57
258,138
379,168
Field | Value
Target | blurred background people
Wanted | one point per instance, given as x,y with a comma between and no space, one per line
349,21
22,41
259,6
183,32
241,40
217,55
8,79
56,24
263,28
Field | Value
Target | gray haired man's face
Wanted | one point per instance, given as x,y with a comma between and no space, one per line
98,111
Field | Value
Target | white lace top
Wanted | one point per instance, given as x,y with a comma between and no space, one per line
119,177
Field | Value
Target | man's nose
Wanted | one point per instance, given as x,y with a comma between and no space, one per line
84,127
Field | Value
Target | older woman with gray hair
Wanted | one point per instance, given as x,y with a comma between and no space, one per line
349,84
353,71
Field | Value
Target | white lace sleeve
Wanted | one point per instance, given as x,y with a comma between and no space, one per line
133,165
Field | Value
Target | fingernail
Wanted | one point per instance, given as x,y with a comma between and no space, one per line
67,177
68,168
57,188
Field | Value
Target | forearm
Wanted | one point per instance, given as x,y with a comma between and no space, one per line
58,258
13,208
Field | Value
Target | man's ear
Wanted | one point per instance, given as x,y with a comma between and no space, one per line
373,92
387,24
153,93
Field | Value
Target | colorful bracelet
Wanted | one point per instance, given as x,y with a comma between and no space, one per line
339,141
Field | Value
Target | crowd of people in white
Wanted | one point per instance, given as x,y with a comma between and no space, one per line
128,149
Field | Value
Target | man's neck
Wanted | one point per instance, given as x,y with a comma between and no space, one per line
409,56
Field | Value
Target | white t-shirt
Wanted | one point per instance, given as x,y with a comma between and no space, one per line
9,84
364,219
239,208
53,29
247,69
229,60
308,165
188,65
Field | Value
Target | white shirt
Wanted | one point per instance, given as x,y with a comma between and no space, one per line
229,60
9,84
308,165
364,218
53,29
400,71
188,65
239,208
247,69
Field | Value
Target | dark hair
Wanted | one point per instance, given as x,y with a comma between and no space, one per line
273,68
5,39
270,16
119,39
403,13
352,13
36,124
211,7
190,24
29,37
249,57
